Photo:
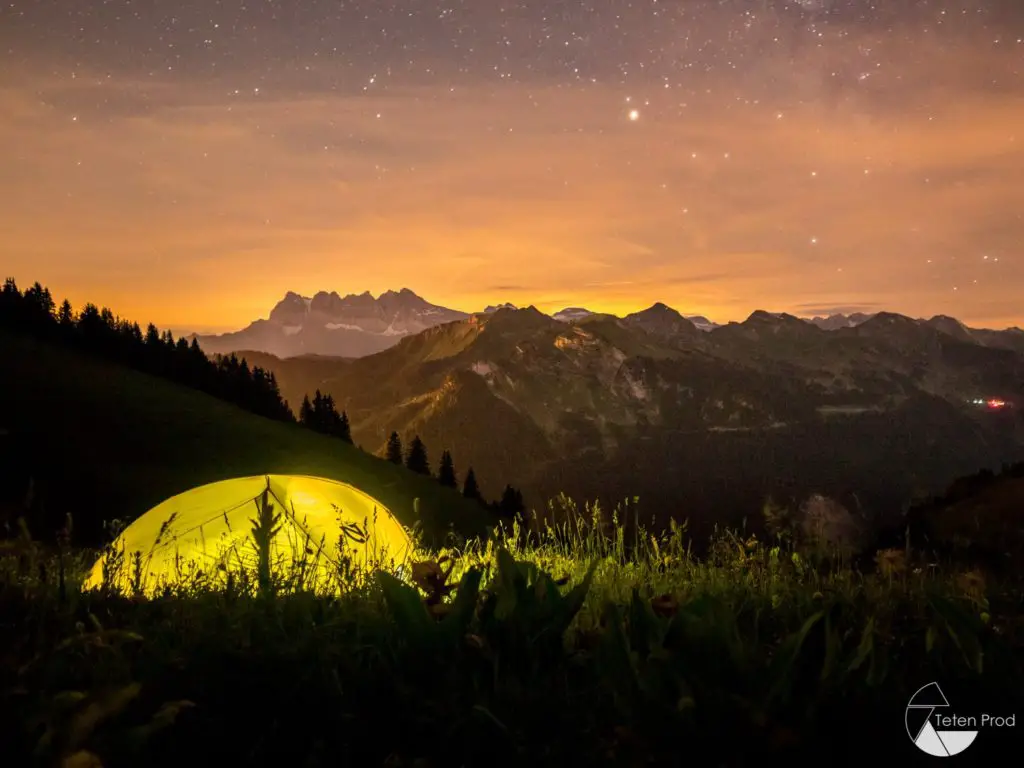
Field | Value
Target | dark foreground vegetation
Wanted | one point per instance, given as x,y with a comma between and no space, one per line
573,649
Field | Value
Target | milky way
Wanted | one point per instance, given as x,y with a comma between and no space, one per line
188,162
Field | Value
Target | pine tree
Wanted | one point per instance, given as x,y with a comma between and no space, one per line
446,471
317,412
331,419
394,449
12,307
40,307
511,503
417,457
470,489
90,327
344,428
66,315
306,412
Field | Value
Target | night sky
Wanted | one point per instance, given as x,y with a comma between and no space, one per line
189,161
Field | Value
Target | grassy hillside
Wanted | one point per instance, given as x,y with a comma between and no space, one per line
104,442
978,520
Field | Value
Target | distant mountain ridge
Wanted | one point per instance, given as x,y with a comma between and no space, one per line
339,326
357,325
836,321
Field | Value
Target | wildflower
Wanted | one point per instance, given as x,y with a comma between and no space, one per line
890,562
971,583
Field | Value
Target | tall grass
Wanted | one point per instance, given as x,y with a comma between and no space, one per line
590,641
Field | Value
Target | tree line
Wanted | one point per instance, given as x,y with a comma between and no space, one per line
321,415
415,459
100,332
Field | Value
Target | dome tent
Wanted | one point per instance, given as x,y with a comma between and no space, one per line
212,525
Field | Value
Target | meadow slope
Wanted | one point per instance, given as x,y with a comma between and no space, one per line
102,442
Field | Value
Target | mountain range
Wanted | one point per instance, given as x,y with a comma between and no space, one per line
329,324
697,423
357,325
352,326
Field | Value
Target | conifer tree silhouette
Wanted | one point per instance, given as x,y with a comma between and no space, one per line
417,458
306,412
446,471
344,428
394,449
470,489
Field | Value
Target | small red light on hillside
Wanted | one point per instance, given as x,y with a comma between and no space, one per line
994,404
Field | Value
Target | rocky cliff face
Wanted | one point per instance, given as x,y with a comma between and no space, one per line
329,324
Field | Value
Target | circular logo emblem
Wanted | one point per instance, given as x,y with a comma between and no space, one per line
932,726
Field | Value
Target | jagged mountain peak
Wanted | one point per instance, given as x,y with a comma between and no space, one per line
949,326
518,322
660,307
895,328
760,316
519,313
702,323
330,324
835,321
492,308
291,309
890,318
659,319
572,314
657,309
401,293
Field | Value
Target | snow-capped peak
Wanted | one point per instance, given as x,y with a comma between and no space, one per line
569,314
702,323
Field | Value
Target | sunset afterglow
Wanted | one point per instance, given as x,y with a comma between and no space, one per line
719,157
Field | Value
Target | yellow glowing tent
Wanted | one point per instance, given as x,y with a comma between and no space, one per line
210,529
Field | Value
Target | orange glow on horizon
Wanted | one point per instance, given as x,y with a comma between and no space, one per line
195,217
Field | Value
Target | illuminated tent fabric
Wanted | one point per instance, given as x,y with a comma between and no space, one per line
212,526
